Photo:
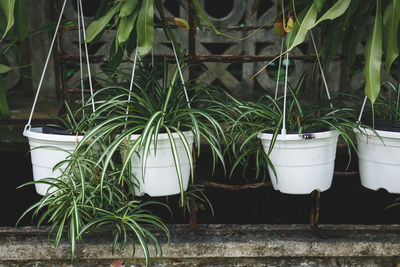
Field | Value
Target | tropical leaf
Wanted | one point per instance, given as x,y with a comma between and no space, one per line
8,9
125,27
145,27
319,4
127,8
98,25
391,19
306,20
335,11
373,57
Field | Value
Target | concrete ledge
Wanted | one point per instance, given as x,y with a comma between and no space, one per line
218,245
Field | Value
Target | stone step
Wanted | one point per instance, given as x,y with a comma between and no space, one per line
217,245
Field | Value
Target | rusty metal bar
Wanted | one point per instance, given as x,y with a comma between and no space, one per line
206,58
235,187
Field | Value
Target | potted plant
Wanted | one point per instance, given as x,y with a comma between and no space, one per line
378,142
155,125
51,144
77,203
300,156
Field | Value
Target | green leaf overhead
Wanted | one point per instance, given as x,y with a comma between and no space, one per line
391,19
128,7
8,9
98,25
145,27
335,11
373,57
306,21
125,27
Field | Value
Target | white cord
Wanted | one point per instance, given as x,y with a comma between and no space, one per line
131,84
28,125
279,71
181,75
362,109
80,56
283,132
87,55
322,71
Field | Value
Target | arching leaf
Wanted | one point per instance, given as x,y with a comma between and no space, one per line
373,57
98,25
335,11
305,21
128,7
145,27
8,9
125,27
391,19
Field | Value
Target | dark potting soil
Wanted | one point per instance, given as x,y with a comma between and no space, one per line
47,129
382,125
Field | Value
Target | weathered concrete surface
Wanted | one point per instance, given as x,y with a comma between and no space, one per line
219,245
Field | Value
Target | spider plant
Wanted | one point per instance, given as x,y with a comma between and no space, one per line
386,109
70,123
78,203
157,104
266,116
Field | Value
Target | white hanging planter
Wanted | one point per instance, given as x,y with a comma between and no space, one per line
161,178
44,159
379,159
302,163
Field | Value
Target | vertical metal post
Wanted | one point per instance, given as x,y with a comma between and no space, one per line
315,204
191,62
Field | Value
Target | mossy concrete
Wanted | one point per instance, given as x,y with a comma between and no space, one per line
217,245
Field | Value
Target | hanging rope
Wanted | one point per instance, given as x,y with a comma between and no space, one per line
87,55
28,125
80,57
181,75
283,132
362,109
322,71
131,84
279,71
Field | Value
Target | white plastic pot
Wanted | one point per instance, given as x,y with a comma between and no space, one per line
302,163
379,160
161,178
44,159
